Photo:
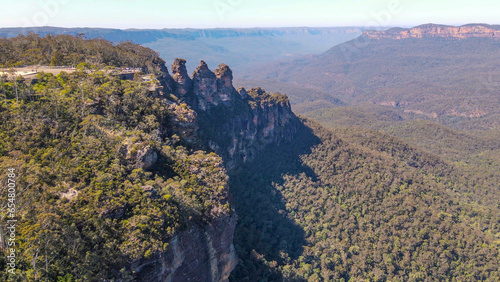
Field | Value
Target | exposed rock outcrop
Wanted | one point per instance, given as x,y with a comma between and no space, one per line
205,87
183,83
236,124
243,93
239,132
433,30
202,249
202,253
225,83
146,158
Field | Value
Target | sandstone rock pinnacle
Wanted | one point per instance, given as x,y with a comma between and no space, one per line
179,74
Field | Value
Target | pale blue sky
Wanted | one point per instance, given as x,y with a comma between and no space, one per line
244,13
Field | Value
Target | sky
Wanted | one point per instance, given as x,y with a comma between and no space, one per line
156,14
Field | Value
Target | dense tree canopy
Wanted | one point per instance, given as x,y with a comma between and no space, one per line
87,204
356,205
67,50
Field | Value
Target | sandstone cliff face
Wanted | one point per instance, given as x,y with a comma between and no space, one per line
202,253
432,30
238,133
205,87
183,83
236,124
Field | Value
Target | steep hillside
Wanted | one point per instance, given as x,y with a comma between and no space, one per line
118,175
354,205
426,133
111,180
476,154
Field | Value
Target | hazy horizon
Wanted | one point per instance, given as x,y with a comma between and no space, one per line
250,27
133,14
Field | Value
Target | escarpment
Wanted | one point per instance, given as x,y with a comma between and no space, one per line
209,113
202,253
433,30
236,124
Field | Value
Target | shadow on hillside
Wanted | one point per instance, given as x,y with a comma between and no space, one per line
265,231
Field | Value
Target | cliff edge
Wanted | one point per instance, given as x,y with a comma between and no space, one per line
235,123
434,30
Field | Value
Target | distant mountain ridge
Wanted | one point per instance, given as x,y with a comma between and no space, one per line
435,30
141,36
237,47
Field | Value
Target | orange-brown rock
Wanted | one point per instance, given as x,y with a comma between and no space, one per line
433,30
